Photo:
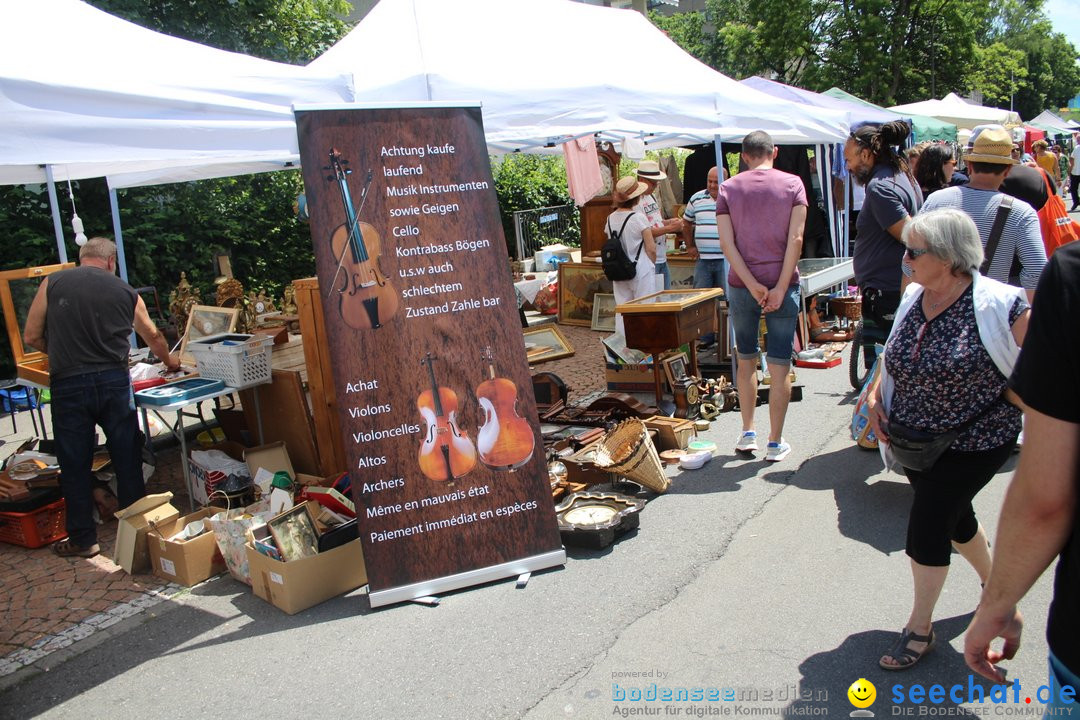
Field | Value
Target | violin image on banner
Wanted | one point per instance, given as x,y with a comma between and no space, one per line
365,298
446,453
506,440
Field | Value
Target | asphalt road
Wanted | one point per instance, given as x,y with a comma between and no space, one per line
775,585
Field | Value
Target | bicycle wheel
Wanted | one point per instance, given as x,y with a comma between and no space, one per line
857,370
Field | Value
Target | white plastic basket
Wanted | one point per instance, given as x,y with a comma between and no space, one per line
237,360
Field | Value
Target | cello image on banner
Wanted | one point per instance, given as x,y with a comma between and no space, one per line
506,440
366,299
447,453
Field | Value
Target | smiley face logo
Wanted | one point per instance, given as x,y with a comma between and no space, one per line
862,693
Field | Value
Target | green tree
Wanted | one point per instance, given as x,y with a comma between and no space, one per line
528,182
888,51
996,72
291,31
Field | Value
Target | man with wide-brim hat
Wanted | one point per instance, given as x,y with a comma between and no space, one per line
989,160
650,173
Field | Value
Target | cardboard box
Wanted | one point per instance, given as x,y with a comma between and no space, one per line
132,552
187,562
629,378
672,433
300,584
271,457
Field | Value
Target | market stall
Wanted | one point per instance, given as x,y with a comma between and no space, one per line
954,109
528,106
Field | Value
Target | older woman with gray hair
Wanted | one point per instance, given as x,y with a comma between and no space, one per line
940,408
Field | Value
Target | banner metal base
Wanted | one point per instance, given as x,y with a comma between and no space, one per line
513,569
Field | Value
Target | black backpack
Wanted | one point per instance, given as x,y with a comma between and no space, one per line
616,263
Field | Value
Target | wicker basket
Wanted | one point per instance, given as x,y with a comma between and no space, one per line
849,307
629,451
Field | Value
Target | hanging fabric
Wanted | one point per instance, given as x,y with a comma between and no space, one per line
582,169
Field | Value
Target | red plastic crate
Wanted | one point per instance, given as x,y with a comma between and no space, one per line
36,528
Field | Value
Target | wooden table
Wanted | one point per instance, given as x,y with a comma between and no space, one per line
665,320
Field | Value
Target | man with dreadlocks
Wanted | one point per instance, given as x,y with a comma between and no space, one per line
892,197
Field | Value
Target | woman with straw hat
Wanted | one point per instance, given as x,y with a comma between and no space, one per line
637,241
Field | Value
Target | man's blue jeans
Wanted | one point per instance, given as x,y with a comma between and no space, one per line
1059,676
78,404
711,274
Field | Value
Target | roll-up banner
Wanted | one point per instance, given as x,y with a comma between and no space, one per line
434,391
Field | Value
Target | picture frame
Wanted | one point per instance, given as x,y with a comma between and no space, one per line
294,533
223,265
204,321
616,344
603,312
578,284
675,368
546,342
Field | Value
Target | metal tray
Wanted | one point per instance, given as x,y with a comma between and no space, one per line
178,391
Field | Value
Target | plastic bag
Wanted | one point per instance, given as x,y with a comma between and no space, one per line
230,531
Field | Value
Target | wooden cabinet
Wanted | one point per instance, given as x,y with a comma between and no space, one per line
594,213
665,320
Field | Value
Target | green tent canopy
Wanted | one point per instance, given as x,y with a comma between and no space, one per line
924,127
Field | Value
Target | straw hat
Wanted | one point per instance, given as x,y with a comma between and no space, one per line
650,170
627,188
990,144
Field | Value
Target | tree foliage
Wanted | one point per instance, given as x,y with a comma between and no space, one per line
291,31
889,51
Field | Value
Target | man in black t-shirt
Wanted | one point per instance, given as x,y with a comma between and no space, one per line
892,197
83,318
1041,515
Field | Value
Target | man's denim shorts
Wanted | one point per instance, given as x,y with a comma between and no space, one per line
780,324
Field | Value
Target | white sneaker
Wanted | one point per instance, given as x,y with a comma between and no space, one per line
747,442
777,451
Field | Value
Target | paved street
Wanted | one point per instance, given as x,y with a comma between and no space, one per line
773,581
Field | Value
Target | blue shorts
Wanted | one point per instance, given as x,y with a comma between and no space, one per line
780,325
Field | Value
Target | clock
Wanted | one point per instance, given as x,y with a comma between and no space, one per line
687,397
595,519
608,157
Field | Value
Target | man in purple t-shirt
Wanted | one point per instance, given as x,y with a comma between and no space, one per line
760,215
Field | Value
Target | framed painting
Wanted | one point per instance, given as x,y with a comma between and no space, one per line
204,321
603,312
294,534
578,284
544,343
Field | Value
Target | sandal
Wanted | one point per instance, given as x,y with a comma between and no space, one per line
904,656
66,548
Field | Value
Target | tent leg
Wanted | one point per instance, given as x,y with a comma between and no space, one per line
57,224
121,259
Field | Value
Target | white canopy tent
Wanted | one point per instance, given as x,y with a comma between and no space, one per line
91,95
547,70
104,97
954,109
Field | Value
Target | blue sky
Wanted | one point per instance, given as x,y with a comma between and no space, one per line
1065,15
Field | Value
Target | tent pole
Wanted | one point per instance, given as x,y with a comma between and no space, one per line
121,260
57,224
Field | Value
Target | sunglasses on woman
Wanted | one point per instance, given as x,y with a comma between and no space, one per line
913,254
